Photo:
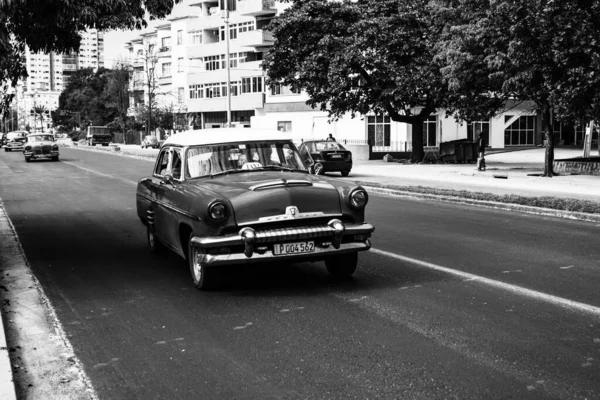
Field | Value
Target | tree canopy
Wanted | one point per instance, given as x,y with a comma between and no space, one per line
544,51
54,25
371,56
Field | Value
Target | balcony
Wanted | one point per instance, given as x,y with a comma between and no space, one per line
164,79
207,49
164,51
256,7
255,39
247,101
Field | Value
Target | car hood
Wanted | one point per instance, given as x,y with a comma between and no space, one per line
267,195
34,144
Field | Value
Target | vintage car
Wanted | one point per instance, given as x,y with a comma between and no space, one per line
239,196
326,156
150,141
15,140
41,146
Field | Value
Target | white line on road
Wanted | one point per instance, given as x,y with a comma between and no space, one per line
533,294
101,174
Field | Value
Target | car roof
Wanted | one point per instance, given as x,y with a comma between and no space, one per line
200,137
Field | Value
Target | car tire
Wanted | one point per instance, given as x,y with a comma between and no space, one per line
55,158
27,159
345,173
202,275
342,266
155,246
6,149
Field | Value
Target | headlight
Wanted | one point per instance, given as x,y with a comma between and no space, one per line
27,148
55,147
217,211
358,198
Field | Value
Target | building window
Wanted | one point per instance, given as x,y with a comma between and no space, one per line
231,4
180,37
477,127
430,131
279,89
284,126
252,85
165,44
196,37
180,94
166,69
212,63
521,132
180,64
378,130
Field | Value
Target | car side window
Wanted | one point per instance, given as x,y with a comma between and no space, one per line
163,162
176,166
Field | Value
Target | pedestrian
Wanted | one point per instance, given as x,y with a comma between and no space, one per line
481,152
331,138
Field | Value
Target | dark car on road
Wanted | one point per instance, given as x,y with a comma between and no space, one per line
326,156
15,140
242,196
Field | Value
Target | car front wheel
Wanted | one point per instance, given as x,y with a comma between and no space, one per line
201,274
55,158
342,266
27,159
345,173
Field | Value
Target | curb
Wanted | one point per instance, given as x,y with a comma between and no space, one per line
485,203
7,382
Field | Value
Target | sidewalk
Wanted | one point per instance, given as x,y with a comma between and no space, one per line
507,172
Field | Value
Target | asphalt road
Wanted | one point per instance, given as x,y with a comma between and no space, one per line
452,302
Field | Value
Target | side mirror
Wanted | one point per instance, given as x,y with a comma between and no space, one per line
168,178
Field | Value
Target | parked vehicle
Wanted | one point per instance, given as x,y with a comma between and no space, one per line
326,156
40,146
3,139
15,140
98,135
242,196
150,141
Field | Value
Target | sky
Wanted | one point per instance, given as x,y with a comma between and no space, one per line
114,42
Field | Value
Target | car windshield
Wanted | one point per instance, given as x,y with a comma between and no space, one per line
328,146
150,139
40,138
243,157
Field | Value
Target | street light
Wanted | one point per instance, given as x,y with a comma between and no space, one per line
226,18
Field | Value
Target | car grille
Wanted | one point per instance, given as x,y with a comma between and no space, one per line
293,233
42,149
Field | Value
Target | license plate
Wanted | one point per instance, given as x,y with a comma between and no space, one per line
336,156
294,248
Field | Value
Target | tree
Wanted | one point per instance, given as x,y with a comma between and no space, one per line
84,97
372,56
38,112
116,93
540,50
45,26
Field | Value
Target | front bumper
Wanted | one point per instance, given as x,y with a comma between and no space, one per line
33,154
256,245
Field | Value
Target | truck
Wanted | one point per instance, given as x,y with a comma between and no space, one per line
98,135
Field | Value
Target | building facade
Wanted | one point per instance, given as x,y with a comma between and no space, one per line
189,59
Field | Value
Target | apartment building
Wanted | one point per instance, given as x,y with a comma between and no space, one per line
188,54
49,74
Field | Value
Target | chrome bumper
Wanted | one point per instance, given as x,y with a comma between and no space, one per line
32,154
332,239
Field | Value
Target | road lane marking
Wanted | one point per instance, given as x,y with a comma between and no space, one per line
533,294
100,173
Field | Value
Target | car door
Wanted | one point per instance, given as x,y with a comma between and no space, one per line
160,191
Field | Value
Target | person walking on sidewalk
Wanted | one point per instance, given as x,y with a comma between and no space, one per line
481,152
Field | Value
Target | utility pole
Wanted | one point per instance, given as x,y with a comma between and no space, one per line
227,60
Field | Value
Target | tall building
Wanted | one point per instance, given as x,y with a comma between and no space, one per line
48,75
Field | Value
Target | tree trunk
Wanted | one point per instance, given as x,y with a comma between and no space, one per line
549,135
417,141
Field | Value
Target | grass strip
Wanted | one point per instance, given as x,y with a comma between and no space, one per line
554,203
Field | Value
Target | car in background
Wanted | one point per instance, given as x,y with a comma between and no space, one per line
241,196
3,139
150,141
41,146
15,140
326,156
